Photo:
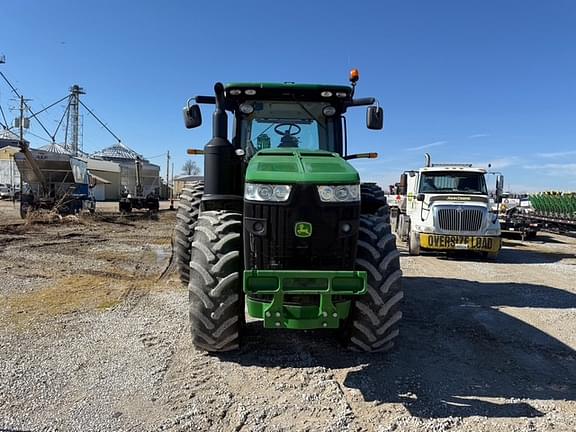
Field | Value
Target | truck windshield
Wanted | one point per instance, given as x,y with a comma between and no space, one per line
451,182
280,124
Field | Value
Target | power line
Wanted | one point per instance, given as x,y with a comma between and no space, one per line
157,156
40,137
25,104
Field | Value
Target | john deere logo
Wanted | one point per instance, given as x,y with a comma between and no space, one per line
303,229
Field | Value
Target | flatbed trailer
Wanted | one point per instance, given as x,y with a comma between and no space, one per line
515,221
555,211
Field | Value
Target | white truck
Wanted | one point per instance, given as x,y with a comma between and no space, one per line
446,207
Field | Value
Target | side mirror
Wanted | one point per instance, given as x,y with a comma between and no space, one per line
374,118
403,185
499,187
192,116
420,197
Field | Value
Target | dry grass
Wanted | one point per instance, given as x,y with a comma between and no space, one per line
161,241
72,294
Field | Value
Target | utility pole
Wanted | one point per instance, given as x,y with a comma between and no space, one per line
172,189
21,121
168,167
167,173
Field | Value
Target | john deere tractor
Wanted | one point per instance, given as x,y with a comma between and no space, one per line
281,226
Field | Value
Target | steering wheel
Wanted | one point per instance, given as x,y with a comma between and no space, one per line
287,132
289,138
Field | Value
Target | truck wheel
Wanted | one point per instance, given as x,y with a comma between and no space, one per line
374,318
215,288
414,243
186,217
23,211
403,227
373,200
125,207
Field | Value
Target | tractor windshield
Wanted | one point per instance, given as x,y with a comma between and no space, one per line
279,124
451,182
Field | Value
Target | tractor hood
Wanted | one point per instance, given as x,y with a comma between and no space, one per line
289,166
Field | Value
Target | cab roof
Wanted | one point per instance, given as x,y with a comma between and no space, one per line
454,168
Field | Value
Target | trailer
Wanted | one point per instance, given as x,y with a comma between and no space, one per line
52,181
139,198
553,211
517,221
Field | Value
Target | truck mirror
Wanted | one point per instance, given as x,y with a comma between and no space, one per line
420,197
499,187
192,116
374,118
403,185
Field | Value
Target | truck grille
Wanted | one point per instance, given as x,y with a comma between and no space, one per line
460,219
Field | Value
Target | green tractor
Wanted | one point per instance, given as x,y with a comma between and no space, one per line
281,226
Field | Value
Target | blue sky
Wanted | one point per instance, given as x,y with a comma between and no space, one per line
468,81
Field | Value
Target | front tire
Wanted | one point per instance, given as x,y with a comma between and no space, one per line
186,218
375,317
414,243
215,287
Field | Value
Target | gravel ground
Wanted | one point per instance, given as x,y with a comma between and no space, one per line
93,337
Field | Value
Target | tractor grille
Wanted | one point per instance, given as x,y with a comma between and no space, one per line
280,249
468,219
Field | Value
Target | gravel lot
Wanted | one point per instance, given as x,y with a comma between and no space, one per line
94,338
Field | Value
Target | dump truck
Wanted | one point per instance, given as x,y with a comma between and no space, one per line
446,207
282,225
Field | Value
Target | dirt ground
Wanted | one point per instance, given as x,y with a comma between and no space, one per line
94,337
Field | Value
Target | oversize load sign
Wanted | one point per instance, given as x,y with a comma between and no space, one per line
487,244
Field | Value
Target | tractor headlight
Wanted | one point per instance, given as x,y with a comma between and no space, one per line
267,192
339,193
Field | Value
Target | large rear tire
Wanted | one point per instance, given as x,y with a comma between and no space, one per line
373,200
186,218
215,288
375,317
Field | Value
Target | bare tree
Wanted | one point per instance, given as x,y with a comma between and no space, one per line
190,168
